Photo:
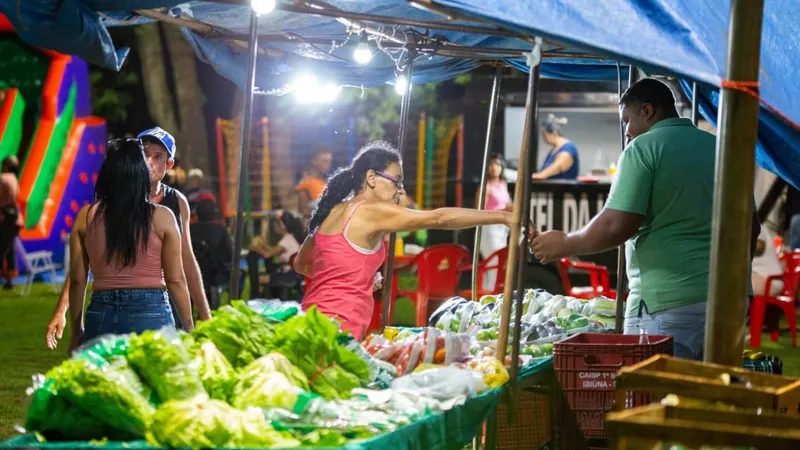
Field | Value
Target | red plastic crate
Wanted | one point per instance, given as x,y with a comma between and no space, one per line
586,367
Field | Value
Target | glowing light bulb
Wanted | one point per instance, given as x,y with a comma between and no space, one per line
400,85
262,7
362,54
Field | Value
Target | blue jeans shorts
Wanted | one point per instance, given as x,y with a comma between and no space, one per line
686,325
123,311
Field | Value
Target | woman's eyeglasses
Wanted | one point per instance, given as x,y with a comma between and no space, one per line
398,181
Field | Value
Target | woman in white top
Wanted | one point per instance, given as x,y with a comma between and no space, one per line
290,228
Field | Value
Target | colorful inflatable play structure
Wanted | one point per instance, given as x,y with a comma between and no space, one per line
46,120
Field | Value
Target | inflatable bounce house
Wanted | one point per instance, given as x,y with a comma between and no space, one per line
46,120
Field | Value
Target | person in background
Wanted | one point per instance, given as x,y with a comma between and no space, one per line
291,230
313,183
196,189
213,248
347,245
10,219
562,163
765,264
159,148
660,207
133,248
494,237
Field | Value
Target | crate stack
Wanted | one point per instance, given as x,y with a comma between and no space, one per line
586,368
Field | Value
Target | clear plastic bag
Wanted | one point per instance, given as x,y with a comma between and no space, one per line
275,309
443,384
164,363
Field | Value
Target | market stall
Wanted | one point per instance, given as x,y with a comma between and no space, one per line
324,362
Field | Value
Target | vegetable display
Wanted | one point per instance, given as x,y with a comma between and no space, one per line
247,379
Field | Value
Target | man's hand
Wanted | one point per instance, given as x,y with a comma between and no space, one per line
549,246
55,330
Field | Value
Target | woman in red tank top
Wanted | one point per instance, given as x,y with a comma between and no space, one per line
133,248
346,247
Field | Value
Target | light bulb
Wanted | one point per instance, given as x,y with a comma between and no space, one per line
362,54
262,7
400,85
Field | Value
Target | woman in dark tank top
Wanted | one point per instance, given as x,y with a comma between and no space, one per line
125,238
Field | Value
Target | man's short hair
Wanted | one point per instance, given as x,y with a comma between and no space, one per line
652,91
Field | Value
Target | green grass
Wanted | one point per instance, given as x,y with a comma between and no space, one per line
23,352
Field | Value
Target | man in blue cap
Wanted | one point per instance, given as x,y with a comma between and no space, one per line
159,148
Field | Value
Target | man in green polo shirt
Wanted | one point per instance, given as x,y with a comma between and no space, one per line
660,206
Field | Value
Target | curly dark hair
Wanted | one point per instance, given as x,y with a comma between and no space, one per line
345,181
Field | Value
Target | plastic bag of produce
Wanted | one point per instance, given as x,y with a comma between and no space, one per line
55,418
164,363
603,306
268,390
447,383
450,306
409,357
445,348
215,371
493,371
208,423
275,362
103,391
241,334
462,317
445,321
311,343
103,348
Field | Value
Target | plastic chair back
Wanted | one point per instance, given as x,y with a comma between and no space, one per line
437,269
497,263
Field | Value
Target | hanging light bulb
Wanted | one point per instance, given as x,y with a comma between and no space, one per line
362,54
401,84
263,7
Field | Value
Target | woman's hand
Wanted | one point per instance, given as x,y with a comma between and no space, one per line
55,330
377,282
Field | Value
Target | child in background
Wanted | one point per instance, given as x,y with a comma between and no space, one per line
494,237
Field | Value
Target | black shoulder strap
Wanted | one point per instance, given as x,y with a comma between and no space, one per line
171,201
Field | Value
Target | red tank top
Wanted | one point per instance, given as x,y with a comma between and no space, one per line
343,278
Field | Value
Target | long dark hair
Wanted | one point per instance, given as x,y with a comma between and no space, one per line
375,155
122,194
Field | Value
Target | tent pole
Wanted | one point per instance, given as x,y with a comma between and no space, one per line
736,145
405,103
516,221
695,117
244,156
493,103
622,276
531,143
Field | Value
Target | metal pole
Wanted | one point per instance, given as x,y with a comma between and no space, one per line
695,117
621,273
493,102
736,145
513,248
405,103
244,156
532,144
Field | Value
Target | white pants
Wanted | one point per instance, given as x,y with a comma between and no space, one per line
493,238
760,284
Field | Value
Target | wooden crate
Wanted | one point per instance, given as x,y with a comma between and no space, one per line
650,427
662,375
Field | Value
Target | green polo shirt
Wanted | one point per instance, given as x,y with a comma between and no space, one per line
667,175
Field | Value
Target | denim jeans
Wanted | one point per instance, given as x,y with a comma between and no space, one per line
686,325
123,311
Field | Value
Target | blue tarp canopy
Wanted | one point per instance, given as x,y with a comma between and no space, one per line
683,38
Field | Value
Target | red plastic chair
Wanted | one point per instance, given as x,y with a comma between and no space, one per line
437,277
484,267
785,301
597,274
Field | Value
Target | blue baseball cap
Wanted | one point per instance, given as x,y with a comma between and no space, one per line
160,135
